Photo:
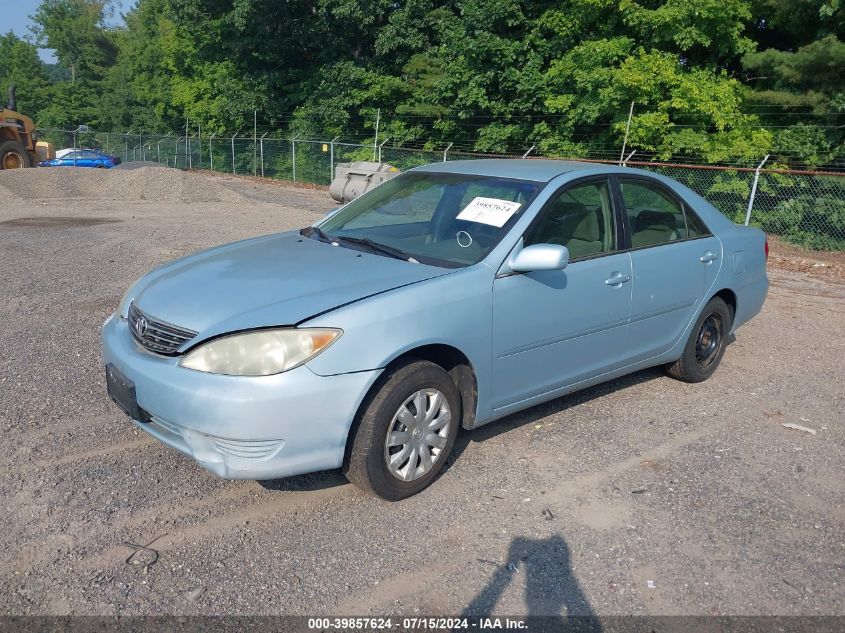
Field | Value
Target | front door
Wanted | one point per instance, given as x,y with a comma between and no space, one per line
556,328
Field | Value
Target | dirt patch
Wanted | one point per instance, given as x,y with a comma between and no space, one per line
827,265
57,222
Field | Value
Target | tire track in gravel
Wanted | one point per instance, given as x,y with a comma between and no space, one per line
411,582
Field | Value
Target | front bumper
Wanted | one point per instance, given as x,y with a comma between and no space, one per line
241,427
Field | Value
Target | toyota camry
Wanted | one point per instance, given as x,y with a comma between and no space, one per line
443,299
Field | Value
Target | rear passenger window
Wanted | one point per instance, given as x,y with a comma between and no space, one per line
695,227
654,216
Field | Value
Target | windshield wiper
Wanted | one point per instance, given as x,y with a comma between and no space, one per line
308,231
376,247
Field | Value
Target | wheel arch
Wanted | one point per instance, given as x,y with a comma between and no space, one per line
729,297
450,359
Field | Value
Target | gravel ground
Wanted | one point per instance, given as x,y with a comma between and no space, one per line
641,496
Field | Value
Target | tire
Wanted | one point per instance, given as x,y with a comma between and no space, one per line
706,345
396,396
13,155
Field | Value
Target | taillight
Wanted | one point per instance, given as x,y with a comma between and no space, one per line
767,248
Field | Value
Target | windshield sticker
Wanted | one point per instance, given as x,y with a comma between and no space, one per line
490,211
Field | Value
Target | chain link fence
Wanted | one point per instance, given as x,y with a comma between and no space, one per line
803,207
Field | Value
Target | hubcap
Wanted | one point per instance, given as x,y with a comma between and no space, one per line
12,160
417,434
709,341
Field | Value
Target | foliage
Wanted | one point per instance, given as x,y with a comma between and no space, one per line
21,66
716,80
815,222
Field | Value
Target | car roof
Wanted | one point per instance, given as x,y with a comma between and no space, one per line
538,170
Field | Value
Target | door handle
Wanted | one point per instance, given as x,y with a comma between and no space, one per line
708,257
617,279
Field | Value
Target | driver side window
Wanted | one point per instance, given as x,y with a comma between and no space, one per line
580,218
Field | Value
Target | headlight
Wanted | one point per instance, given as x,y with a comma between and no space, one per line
259,353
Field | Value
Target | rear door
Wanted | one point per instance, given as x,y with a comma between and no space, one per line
674,259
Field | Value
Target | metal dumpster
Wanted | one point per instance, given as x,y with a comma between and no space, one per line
353,179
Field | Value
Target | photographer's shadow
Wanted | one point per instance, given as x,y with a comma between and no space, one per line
551,591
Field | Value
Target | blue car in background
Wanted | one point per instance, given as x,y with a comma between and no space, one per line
82,158
445,298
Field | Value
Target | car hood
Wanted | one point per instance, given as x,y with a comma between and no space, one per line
273,280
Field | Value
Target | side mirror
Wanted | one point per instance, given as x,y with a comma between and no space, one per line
540,257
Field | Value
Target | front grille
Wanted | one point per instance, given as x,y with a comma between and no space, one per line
157,336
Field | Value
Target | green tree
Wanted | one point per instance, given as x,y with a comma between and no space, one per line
23,67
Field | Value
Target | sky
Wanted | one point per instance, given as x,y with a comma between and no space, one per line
14,16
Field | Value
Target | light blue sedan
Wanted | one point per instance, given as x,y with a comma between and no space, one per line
447,297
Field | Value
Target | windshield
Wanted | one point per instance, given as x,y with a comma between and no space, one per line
450,220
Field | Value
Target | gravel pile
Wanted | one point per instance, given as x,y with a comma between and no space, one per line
137,164
158,184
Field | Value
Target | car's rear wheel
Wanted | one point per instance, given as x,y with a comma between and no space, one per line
13,155
706,345
406,430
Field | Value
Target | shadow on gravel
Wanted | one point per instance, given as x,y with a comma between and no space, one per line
520,418
312,481
551,591
333,478
59,222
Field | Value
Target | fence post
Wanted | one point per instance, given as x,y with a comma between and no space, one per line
331,158
375,140
530,149
446,151
380,146
158,146
293,152
754,189
233,152
262,152
627,129
211,151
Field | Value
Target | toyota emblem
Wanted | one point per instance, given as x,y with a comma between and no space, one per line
141,326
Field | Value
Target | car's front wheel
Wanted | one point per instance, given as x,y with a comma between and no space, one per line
706,344
405,432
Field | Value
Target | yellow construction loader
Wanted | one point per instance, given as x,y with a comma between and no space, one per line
19,146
